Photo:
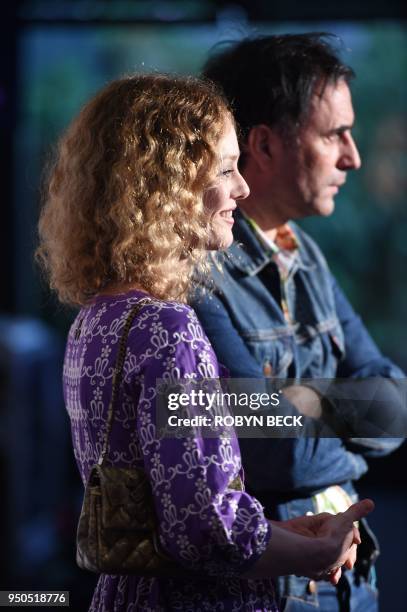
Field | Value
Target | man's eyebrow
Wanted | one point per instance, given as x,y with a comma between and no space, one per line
341,129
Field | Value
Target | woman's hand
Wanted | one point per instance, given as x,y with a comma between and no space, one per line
341,537
307,525
321,525
315,546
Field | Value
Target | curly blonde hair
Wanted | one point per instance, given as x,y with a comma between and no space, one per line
124,199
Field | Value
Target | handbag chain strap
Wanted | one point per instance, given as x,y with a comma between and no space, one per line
118,373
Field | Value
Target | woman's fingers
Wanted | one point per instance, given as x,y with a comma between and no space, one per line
359,510
345,529
356,536
345,535
351,558
335,575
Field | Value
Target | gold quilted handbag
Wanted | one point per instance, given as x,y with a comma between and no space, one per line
117,530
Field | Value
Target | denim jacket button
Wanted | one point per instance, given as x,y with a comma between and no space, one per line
312,587
267,369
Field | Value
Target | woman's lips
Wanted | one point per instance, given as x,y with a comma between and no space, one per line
227,215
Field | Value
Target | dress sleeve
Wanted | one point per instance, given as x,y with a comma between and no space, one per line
204,523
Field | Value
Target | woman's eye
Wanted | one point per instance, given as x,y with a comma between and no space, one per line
226,172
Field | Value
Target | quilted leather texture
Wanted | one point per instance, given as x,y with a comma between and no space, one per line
117,531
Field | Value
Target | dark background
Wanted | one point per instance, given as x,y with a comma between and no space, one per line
55,55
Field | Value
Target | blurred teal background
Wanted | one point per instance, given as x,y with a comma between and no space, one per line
365,240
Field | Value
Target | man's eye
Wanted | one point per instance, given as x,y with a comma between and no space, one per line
339,135
333,137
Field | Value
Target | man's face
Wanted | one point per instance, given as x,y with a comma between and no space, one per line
312,166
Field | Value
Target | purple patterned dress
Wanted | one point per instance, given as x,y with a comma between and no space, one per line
204,524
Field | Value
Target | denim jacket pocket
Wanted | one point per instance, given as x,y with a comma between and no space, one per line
274,353
320,347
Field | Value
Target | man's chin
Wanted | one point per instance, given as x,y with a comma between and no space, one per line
324,208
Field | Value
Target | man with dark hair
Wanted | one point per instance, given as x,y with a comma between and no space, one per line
275,309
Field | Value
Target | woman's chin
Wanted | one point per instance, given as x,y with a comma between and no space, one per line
220,242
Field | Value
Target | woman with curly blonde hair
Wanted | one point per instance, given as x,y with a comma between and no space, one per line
131,167
145,181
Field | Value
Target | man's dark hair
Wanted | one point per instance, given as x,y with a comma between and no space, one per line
271,79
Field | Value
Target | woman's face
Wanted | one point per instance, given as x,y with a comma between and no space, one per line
220,197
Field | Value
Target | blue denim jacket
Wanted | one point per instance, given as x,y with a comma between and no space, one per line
250,336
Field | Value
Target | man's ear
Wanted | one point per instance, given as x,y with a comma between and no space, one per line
262,145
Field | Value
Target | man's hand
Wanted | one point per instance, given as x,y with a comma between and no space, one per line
306,400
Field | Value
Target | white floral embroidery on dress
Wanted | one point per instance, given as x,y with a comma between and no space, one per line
203,523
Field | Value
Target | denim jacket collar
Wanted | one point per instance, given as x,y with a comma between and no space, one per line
248,254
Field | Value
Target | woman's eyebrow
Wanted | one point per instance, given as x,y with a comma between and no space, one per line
230,156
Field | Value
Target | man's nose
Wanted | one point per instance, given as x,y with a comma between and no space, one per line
350,158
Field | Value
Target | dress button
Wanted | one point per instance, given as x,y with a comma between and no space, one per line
312,587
